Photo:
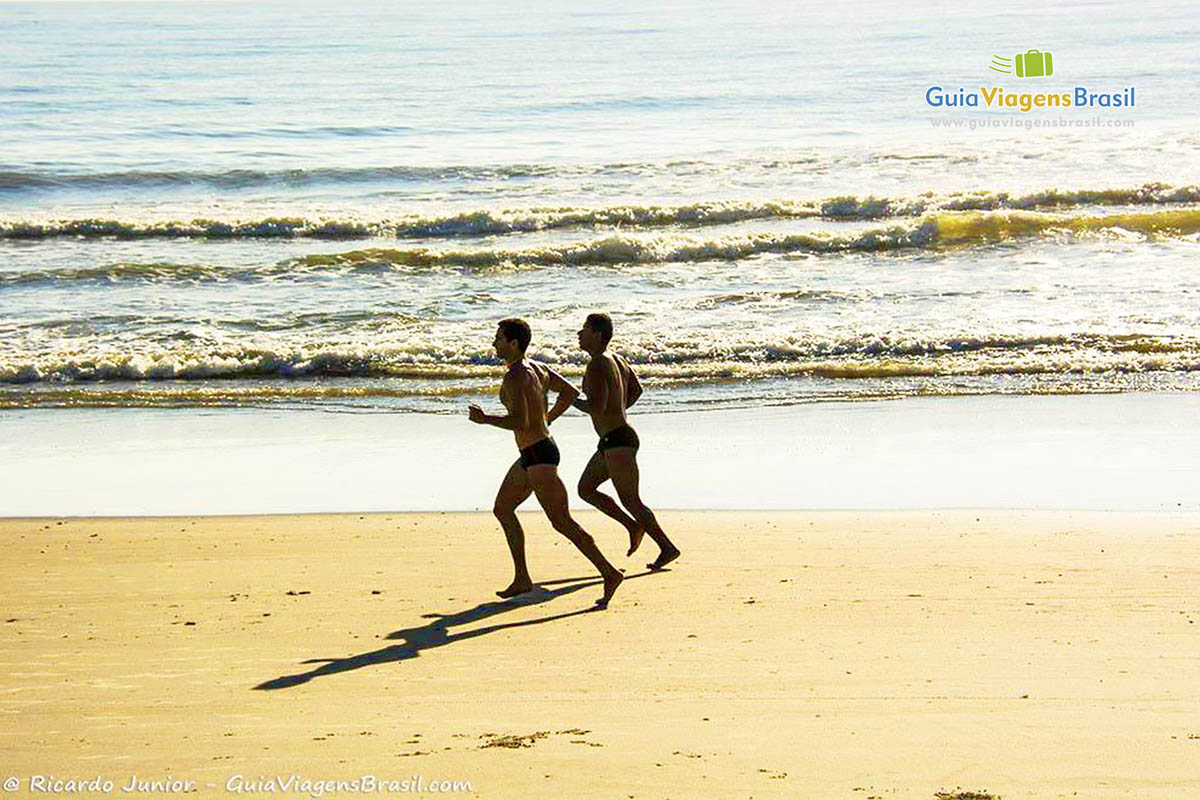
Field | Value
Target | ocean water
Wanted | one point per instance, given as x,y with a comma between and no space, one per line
319,205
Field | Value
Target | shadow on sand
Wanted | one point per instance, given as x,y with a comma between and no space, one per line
436,633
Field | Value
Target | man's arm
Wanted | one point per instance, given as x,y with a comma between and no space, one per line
595,381
567,396
586,404
582,403
517,416
633,387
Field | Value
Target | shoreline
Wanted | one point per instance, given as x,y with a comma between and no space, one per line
1090,452
887,654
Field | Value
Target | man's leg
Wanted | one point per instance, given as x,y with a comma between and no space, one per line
514,490
553,496
621,463
594,474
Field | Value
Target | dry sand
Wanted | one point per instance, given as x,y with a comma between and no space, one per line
815,655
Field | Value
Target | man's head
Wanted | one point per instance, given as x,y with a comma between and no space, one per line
512,339
596,333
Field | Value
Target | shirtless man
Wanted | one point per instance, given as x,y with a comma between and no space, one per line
523,394
611,387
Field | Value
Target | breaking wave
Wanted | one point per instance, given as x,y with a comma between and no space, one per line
864,356
622,217
944,230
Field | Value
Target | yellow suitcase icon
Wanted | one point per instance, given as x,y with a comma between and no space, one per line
1034,64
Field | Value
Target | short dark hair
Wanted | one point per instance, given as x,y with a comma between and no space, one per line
601,324
518,329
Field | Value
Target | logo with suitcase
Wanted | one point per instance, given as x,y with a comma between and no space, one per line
1030,64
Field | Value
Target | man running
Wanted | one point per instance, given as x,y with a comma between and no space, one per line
611,387
523,394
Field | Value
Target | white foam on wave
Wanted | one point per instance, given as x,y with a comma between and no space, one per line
635,217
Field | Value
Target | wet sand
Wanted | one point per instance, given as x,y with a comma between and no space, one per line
787,654
1121,452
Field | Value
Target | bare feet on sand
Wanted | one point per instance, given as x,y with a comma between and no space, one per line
664,558
611,582
515,588
635,538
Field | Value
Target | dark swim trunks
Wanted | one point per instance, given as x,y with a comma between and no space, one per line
543,451
623,436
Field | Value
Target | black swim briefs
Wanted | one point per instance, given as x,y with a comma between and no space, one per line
623,436
543,451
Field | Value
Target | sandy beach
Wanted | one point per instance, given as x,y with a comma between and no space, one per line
797,654
921,361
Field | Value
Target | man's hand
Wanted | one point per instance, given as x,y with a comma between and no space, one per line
476,415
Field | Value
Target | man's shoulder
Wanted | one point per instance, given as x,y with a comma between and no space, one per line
623,364
527,372
537,369
517,372
603,362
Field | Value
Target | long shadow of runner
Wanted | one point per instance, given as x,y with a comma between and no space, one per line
436,633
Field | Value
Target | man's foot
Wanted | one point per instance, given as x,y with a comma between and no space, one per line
664,558
635,538
516,588
611,582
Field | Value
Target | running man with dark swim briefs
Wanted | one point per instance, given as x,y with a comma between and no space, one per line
611,387
523,394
